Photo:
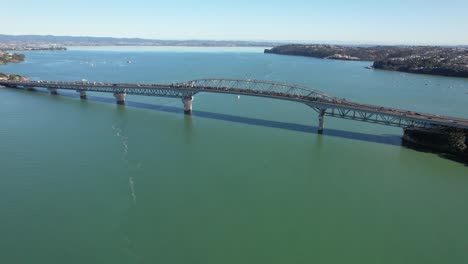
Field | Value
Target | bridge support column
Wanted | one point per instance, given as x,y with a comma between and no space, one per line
120,97
82,94
321,121
53,91
187,105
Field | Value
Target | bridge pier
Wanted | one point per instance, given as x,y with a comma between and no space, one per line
53,91
187,105
120,97
82,94
321,121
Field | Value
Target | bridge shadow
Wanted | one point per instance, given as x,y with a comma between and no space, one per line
393,140
381,139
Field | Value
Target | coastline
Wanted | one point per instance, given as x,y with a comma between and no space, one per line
428,60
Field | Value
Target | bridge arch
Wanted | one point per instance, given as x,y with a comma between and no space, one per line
323,103
258,87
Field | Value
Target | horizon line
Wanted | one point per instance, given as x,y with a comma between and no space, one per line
267,41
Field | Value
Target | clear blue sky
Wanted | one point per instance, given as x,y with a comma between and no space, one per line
363,21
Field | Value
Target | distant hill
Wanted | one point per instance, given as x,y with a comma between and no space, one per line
84,40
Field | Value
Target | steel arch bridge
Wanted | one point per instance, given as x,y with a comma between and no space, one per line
262,88
325,105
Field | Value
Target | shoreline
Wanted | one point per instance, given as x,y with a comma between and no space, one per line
427,60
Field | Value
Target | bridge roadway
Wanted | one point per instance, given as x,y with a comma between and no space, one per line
323,104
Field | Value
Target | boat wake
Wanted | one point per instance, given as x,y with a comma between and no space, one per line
131,178
124,140
132,188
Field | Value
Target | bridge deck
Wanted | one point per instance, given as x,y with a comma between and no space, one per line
321,102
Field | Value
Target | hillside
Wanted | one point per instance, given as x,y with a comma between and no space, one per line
446,61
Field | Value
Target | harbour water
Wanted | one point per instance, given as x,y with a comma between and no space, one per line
243,180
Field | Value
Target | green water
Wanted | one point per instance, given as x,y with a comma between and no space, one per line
241,181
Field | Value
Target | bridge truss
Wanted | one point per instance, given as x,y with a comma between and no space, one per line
322,103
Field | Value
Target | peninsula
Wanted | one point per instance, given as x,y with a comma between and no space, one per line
435,60
6,57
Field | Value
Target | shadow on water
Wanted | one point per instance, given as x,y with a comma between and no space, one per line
460,157
382,139
188,131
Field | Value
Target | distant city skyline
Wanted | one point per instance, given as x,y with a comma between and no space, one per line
334,21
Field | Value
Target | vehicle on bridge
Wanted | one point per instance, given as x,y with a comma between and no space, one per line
323,104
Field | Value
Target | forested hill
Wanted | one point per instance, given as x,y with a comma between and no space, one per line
447,61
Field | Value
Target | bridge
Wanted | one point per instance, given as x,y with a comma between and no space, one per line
323,104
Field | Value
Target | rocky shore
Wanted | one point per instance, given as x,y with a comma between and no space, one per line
451,143
445,61
448,140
